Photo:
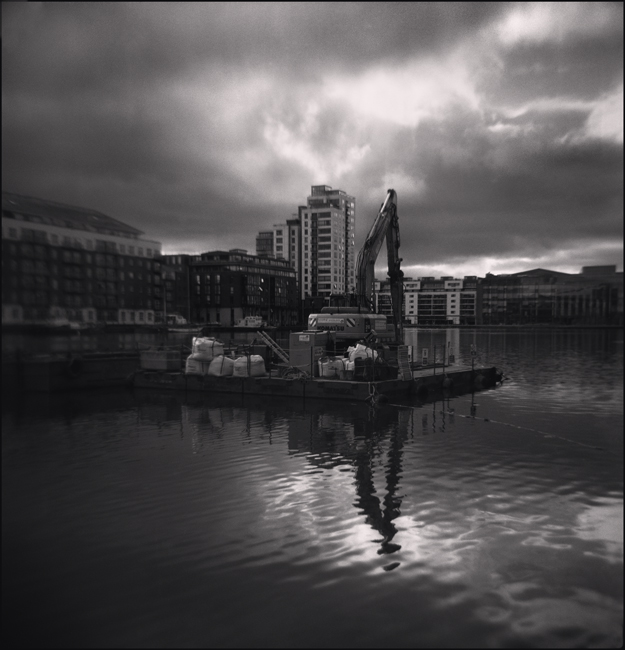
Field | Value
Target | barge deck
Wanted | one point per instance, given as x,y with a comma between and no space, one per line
461,378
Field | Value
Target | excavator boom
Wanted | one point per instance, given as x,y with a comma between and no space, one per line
385,226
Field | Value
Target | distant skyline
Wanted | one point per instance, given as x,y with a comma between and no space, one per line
499,125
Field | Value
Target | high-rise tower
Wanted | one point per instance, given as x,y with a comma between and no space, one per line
327,256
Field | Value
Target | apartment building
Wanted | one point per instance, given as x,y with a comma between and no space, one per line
428,301
287,243
62,262
328,255
226,286
318,242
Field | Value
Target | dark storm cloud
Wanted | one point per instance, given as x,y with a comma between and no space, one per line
481,186
581,69
202,123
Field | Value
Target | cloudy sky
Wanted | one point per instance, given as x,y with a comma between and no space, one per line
499,125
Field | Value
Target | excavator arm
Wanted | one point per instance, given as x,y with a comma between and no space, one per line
385,226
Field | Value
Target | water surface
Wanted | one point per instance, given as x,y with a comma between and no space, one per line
484,520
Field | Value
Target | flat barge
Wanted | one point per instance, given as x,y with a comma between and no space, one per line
460,378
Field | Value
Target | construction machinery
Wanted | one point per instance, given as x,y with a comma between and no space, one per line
359,320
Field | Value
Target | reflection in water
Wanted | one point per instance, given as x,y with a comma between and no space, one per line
214,520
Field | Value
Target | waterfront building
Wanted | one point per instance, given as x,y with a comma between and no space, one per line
328,254
540,296
428,301
176,287
226,286
65,263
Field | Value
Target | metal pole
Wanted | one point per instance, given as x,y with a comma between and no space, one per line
434,360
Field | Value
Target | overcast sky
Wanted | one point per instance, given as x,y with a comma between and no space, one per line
499,125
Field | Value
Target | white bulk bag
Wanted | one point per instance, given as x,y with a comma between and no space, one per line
195,367
256,366
221,366
206,348
362,352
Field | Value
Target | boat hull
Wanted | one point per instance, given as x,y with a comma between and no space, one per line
461,379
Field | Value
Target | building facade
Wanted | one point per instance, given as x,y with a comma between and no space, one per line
264,243
176,287
287,243
320,243
540,296
428,301
226,286
62,262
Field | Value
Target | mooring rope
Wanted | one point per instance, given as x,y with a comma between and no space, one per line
508,424
516,426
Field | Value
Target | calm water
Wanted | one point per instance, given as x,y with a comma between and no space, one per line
168,520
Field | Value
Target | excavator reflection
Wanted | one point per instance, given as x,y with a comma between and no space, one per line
362,447
380,515
331,435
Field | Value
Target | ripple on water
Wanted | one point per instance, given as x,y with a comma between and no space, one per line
221,522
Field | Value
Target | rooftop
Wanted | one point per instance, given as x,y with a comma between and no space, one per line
52,213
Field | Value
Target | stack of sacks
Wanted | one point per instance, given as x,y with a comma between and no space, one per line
206,349
221,366
361,352
252,366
